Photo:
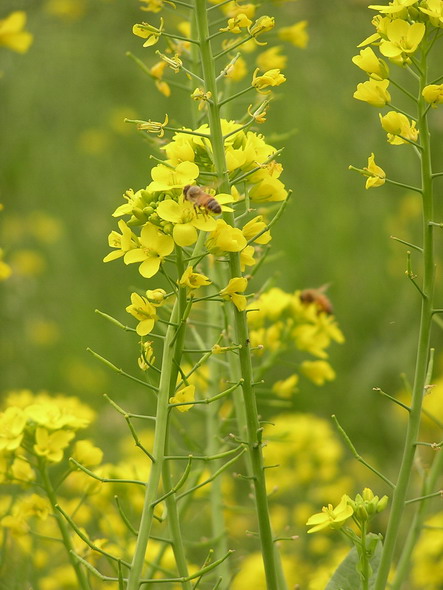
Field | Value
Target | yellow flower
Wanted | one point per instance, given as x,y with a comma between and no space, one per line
147,356
157,71
254,227
376,175
122,242
22,471
165,178
201,97
295,34
434,9
270,78
155,245
5,269
373,92
225,238
144,312
433,93
285,388
403,39
156,296
148,32
232,292
259,114
262,25
396,125
193,280
271,58
51,445
247,257
184,396
237,23
331,517
86,453
238,70
186,220
12,426
371,64
318,371
12,34
396,7
269,189
154,126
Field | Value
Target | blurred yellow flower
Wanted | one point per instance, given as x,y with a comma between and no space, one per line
286,388
295,34
12,426
272,59
238,70
318,371
12,33
184,396
237,23
52,445
86,453
263,24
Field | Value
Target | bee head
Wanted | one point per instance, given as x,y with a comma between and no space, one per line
186,188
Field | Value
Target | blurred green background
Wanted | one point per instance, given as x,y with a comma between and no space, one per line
67,157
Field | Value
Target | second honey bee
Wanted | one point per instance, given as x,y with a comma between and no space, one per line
200,198
318,297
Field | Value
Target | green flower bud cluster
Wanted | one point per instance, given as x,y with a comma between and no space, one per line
366,505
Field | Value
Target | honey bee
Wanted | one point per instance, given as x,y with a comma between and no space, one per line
199,198
318,297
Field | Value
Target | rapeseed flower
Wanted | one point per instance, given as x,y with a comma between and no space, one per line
371,64
184,396
186,220
262,25
403,39
51,445
331,517
144,311
237,23
154,245
12,33
398,128
193,280
150,33
225,238
165,178
434,10
121,242
12,426
376,175
253,227
318,371
374,92
270,78
233,291
272,59
295,34
433,93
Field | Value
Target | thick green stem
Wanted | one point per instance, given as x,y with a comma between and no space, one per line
399,497
63,527
254,431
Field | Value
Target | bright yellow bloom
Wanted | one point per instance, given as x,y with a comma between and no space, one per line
86,453
247,257
225,238
272,59
122,242
233,9
51,445
144,312
154,246
157,71
22,471
237,23
403,39
164,177
396,8
396,125
376,175
295,34
154,5
269,189
186,219
433,93
285,388
434,9
148,32
232,292
254,227
262,25
270,78
331,517
12,426
12,34
371,64
59,412
184,396
238,70
193,280
156,296
318,371
373,92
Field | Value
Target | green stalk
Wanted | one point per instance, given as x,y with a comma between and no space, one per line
399,497
63,527
253,428
364,561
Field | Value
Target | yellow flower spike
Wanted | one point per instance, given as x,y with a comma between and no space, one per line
331,517
433,94
318,371
403,39
286,388
434,10
12,426
254,227
193,280
186,219
374,92
371,64
201,97
52,445
150,33
154,126
184,395
237,23
272,59
144,312
225,238
154,246
232,292
397,124
376,175
12,33
270,78
165,178
295,34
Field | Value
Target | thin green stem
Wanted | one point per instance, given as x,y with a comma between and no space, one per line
421,368
364,561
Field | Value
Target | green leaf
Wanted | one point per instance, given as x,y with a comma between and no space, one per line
346,576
